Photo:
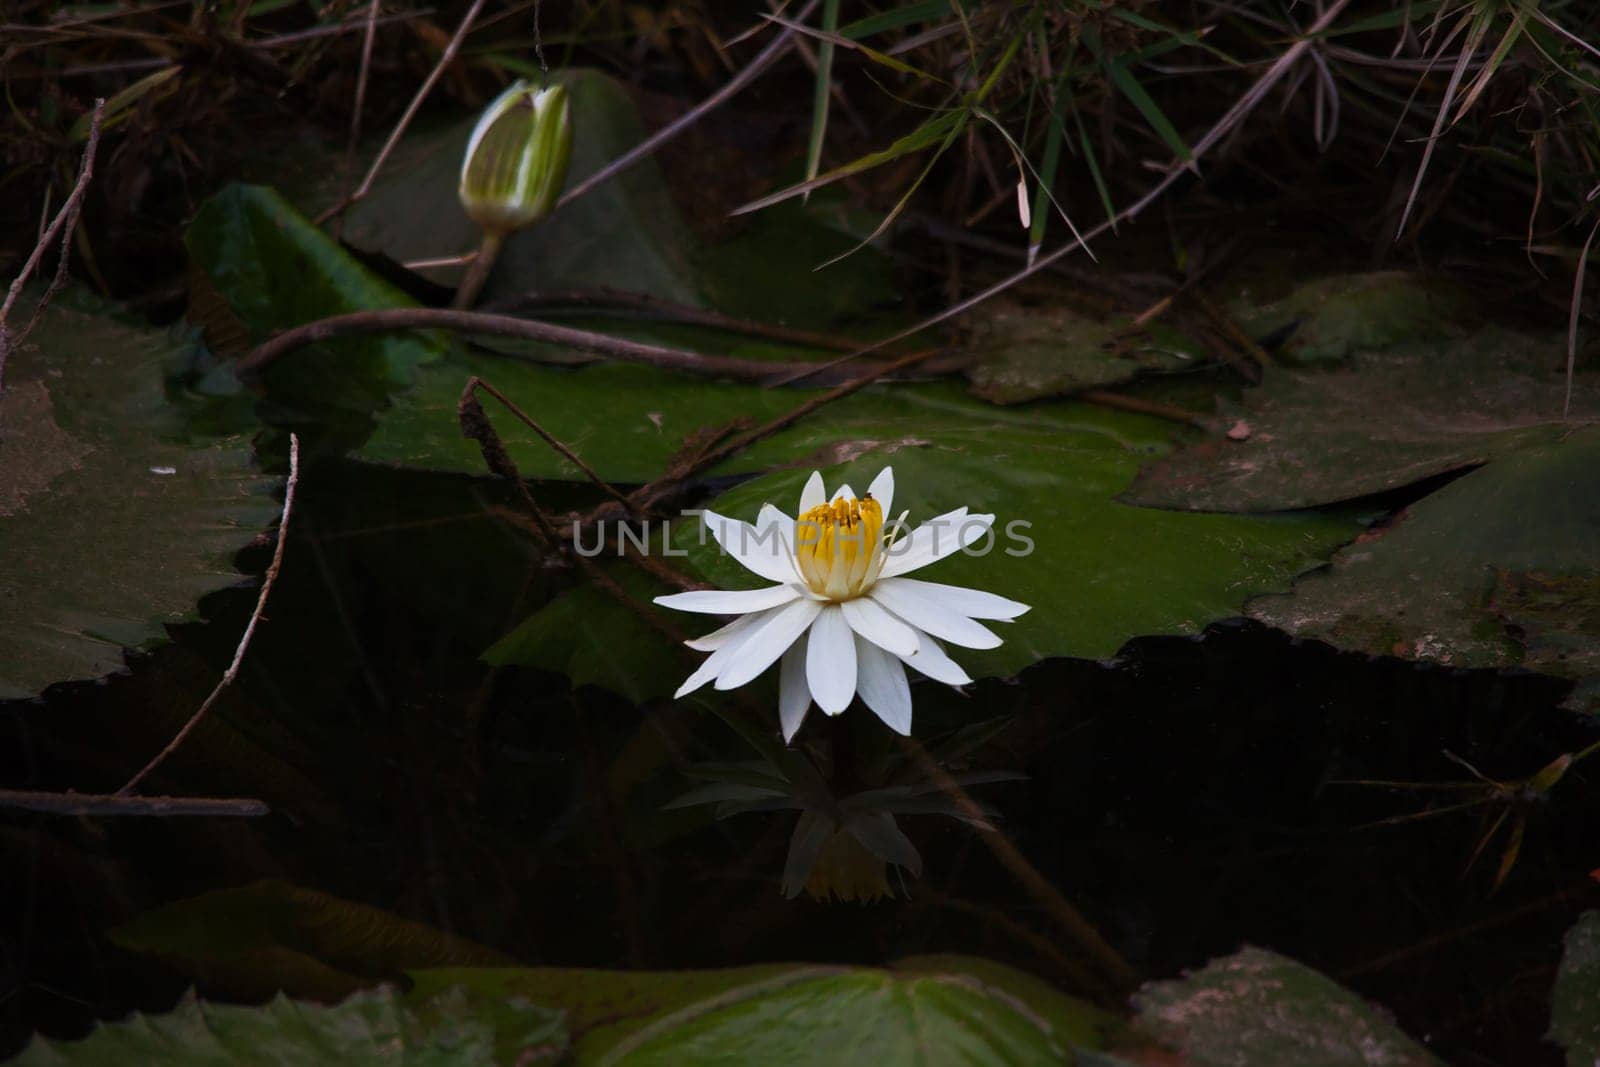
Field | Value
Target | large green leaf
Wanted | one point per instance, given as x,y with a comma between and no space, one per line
1380,420
114,521
258,939
1497,569
625,421
1098,572
1258,1009
276,270
378,1027
930,1011
1575,1002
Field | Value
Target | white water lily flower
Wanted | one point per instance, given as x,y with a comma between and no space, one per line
844,618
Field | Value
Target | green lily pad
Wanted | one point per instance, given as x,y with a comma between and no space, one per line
1024,353
1496,569
258,939
1096,571
1258,1009
932,1011
372,1028
276,270
1381,420
114,521
1327,319
1575,1002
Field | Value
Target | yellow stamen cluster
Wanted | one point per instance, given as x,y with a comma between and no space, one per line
839,547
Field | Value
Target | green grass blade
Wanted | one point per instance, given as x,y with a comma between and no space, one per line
823,92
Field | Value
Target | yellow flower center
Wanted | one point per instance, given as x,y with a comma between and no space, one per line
839,547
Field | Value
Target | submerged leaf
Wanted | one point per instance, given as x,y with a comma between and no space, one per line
258,939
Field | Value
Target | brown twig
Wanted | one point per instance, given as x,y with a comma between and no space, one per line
385,320
70,803
249,631
474,383
399,130
764,59
1138,405
65,222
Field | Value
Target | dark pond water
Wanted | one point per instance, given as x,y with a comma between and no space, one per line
1188,799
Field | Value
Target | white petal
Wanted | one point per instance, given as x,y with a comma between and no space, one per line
831,661
931,660
868,619
882,489
794,698
733,636
844,493
933,617
973,603
936,539
813,495
731,601
703,674
883,686
767,642
717,638
762,550
771,517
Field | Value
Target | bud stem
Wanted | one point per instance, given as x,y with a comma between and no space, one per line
478,273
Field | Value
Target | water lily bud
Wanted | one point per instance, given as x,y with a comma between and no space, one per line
516,161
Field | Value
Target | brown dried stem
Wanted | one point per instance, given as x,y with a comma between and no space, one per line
249,631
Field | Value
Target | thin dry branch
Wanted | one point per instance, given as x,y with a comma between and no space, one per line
65,222
249,631
764,59
393,319
400,127
71,803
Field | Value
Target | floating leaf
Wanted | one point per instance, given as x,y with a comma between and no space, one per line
1496,569
1023,353
1379,421
113,521
373,1028
1258,1009
1326,319
1575,1001
258,939
1096,571
933,1010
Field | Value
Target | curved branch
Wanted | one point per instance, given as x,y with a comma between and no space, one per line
386,320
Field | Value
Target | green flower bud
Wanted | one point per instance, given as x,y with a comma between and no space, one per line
516,161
